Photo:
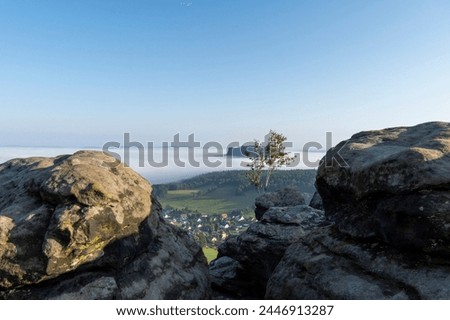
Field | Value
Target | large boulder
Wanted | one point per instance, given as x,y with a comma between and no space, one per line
286,197
391,184
83,226
330,265
388,194
256,252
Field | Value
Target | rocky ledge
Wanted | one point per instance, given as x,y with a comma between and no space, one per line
82,226
385,233
395,187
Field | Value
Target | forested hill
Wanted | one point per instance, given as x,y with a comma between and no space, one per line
304,179
231,187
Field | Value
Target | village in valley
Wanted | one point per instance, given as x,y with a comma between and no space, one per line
209,230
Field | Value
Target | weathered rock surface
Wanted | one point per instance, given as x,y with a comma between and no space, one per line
387,229
395,188
259,249
287,197
316,201
391,209
230,279
74,227
330,265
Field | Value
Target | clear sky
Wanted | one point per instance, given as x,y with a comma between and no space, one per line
80,73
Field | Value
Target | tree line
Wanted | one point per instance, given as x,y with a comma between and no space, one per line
237,179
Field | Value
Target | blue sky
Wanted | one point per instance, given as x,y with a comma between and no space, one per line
80,73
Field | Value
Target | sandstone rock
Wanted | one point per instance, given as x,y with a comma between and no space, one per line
387,230
396,186
329,265
223,269
230,279
259,249
289,196
171,267
316,201
74,227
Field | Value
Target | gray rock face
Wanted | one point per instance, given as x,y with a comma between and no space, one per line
223,269
316,201
74,227
388,216
329,265
287,197
395,188
391,212
259,249
230,279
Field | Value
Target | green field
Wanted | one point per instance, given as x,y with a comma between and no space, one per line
210,253
217,201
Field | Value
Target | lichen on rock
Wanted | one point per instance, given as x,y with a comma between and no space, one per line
71,223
